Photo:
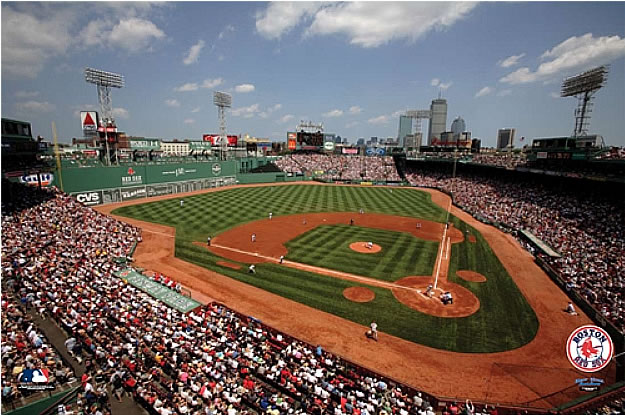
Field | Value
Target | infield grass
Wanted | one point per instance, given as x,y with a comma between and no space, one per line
504,321
402,254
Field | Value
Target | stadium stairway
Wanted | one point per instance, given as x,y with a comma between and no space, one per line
57,337
400,164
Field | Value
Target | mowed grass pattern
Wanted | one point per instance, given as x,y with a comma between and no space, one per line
402,254
505,321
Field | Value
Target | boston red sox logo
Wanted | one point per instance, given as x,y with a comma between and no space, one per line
589,348
131,171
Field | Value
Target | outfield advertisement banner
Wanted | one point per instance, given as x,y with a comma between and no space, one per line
158,291
133,193
89,198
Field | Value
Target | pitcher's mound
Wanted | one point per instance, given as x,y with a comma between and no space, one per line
362,248
358,294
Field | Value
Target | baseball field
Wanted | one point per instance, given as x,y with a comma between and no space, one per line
501,341
502,308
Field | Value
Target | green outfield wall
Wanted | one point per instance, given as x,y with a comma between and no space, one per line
80,179
94,184
246,178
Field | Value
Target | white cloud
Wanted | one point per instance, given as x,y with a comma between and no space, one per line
286,119
121,113
246,112
194,110
95,33
333,113
574,54
194,53
371,24
504,93
355,110
398,113
189,121
445,86
190,86
244,88
554,95
227,29
269,110
28,41
510,61
134,34
212,83
172,103
280,17
435,82
382,119
26,94
34,106
34,33
351,124
484,91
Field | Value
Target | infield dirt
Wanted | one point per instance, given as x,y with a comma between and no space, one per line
529,374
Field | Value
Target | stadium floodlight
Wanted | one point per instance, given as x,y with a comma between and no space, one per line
222,100
584,86
105,81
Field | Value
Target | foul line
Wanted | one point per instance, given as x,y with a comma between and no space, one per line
322,271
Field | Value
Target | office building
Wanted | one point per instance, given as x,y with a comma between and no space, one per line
505,138
438,121
458,126
405,129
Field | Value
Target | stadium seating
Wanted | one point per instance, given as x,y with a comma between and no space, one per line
586,229
341,167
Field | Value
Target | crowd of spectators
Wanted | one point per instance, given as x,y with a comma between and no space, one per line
614,153
341,167
509,160
586,229
29,362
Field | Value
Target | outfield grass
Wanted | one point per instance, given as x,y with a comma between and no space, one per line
402,254
505,320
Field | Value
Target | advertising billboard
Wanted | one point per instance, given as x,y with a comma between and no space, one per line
200,145
350,150
89,122
328,146
291,140
215,139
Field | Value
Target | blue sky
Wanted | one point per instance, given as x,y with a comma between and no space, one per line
353,66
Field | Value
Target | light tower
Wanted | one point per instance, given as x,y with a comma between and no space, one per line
105,81
584,86
222,101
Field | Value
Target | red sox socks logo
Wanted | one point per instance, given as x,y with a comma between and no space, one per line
589,348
